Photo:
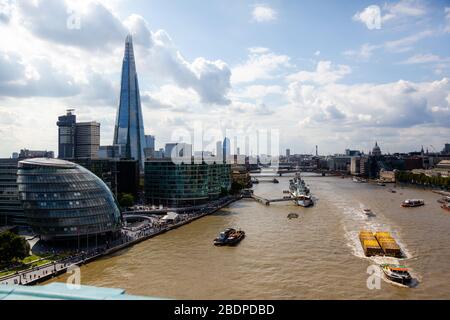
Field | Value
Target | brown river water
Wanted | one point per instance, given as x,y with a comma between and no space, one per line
317,256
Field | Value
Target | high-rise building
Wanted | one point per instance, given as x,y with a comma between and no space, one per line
219,151
76,140
66,135
87,139
288,153
446,149
129,129
149,149
226,149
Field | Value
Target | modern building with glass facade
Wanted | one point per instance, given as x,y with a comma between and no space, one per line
11,212
129,129
186,184
63,200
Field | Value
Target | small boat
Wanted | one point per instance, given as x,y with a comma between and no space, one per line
229,237
381,184
292,215
413,203
446,206
392,191
276,181
396,273
368,212
444,200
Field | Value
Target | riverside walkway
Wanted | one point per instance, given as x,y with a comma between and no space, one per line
129,237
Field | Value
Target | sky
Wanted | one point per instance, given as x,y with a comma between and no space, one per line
337,74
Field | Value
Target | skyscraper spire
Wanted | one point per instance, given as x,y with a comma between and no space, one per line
129,129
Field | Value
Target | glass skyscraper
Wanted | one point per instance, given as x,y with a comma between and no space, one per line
129,129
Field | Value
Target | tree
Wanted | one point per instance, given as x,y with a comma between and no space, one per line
12,247
126,200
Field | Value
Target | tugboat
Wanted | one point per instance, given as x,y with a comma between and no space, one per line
300,192
396,273
413,203
368,212
229,237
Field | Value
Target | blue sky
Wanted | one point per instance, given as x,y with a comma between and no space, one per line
339,74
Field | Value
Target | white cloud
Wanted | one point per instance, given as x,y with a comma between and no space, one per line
422,58
325,73
447,19
260,65
44,25
263,13
374,17
259,91
370,16
363,53
400,104
405,44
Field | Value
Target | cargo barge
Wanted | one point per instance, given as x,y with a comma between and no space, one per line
379,244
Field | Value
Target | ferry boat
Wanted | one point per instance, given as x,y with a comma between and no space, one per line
229,237
396,273
300,192
368,212
413,203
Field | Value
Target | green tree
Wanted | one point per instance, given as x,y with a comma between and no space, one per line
12,247
126,200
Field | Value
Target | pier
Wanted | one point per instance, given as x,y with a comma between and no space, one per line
267,202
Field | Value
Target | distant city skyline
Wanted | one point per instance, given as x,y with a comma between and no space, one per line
337,75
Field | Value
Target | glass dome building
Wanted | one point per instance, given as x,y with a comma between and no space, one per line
63,200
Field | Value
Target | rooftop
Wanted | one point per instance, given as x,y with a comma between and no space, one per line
49,162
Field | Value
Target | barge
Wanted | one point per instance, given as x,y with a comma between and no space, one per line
379,244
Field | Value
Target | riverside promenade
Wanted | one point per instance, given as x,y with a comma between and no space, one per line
129,237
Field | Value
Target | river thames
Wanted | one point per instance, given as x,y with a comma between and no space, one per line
317,256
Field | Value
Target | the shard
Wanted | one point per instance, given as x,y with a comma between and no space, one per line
129,129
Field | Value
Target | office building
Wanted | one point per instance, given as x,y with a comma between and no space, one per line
11,212
129,129
63,200
226,149
149,149
66,135
87,140
76,140
120,175
187,184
